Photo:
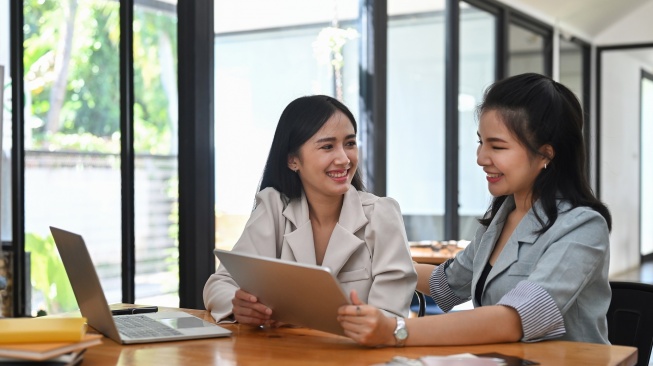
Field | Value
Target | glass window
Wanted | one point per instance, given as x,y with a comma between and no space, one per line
6,308
525,51
5,126
571,67
155,146
266,55
72,143
415,122
477,70
72,149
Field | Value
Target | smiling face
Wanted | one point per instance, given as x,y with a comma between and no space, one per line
326,163
510,168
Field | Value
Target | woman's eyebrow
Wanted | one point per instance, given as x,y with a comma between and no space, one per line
331,139
325,139
495,139
490,139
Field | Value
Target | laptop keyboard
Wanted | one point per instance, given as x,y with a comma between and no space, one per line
140,326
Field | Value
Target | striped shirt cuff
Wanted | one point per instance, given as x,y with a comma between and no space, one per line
540,317
440,290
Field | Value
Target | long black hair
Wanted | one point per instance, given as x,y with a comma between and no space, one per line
301,119
538,111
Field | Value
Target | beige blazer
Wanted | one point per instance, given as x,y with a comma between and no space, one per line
368,250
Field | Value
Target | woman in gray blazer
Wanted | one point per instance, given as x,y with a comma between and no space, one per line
311,208
537,267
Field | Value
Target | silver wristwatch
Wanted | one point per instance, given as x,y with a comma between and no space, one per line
401,333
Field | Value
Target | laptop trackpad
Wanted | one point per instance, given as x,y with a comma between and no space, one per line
185,322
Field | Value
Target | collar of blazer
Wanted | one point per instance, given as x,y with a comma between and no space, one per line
524,233
343,241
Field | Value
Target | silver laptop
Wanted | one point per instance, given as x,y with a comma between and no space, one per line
138,328
299,294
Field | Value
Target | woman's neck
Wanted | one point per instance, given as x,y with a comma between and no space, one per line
523,203
324,210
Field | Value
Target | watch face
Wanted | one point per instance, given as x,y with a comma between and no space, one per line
401,333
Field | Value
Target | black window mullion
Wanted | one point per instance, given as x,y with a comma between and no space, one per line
502,44
597,126
452,55
548,53
373,93
587,100
127,148
196,36
20,269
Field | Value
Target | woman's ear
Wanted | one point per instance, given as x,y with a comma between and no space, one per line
292,163
548,152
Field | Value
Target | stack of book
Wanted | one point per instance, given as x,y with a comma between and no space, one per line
53,341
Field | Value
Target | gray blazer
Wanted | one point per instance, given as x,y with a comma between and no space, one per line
569,262
368,250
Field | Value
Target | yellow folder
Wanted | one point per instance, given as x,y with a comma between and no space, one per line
35,330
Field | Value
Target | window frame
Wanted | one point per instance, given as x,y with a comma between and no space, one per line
196,134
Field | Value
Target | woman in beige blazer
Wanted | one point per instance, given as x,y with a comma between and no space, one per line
311,208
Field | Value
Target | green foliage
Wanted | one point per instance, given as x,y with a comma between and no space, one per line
78,142
48,274
91,104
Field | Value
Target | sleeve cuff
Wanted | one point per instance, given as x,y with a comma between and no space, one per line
540,317
440,290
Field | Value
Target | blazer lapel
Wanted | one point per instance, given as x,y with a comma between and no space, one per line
524,233
352,215
488,240
300,240
344,242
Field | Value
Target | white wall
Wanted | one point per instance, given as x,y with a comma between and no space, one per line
620,129
619,177
636,27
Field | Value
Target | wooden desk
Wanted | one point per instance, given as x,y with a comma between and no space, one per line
427,255
288,346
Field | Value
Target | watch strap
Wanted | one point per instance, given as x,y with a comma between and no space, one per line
401,333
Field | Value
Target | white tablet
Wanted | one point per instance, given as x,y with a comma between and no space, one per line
298,294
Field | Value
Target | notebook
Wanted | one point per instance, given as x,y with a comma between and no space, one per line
127,329
299,294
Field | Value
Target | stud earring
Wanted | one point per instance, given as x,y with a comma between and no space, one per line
544,165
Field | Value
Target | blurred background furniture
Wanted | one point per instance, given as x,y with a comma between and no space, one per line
630,317
435,252
424,305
